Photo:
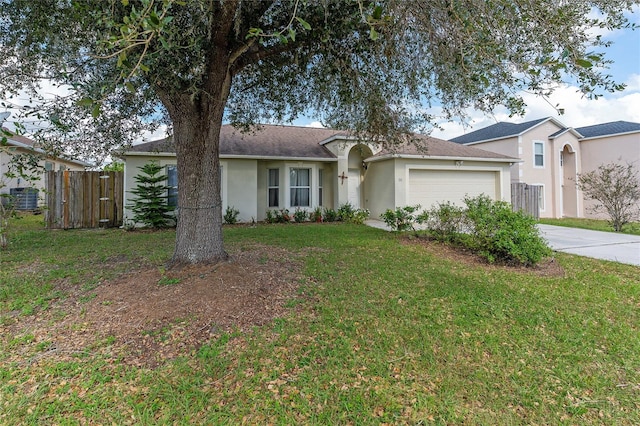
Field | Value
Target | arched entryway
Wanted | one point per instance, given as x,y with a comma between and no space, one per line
355,182
568,169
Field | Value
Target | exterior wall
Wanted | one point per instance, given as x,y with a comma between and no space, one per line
240,178
546,174
342,149
388,180
261,188
509,147
131,169
551,175
39,183
621,149
380,187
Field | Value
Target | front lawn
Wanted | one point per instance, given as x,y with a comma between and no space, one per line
380,329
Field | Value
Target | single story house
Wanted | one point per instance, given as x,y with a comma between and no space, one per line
288,167
553,155
27,193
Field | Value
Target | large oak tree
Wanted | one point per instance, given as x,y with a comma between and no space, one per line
367,66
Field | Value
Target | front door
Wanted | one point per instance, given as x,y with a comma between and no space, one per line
354,188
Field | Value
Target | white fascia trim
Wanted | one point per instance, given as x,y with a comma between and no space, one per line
427,157
41,151
146,154
341,138
609,135
570,130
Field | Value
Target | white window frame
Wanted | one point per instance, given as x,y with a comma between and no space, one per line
535,154
320,188
273,187
173,189
308,187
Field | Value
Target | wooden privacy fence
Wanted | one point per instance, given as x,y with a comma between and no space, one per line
526,198
83,199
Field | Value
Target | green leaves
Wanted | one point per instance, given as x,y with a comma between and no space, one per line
304,23
90,103
583,63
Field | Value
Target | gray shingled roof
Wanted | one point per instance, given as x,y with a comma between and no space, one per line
497,131
612,128
441,148
266,141
305,142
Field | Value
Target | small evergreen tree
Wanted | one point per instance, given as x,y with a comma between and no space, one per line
150,205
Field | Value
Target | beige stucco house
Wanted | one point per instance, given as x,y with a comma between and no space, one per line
553,155
28,194
287,167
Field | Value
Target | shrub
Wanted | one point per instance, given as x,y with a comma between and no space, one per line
316,215
347,213
231,215
359,216
271,217
401,219
299,215
445,222
283,216
500,234
278,216
330,215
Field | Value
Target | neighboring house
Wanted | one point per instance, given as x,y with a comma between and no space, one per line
553,155
286,167
28,193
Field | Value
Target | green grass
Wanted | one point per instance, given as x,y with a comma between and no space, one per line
593,224
391,335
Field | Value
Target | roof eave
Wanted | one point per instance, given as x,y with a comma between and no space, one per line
43,152
608,135
442,157
231,156
339,137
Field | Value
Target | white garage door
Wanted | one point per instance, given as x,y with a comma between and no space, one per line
428,187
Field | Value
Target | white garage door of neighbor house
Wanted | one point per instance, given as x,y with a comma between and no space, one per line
429,187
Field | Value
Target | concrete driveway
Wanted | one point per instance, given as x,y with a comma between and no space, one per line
617,247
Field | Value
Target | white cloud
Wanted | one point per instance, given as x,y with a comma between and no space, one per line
316,124
159,133
633,83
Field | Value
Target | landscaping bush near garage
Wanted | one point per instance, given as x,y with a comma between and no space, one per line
490,228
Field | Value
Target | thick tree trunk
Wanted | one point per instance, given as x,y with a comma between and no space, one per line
196,133
199,231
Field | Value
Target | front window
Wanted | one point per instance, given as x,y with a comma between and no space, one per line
538,154
320,187
300,185
274,188
172,183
